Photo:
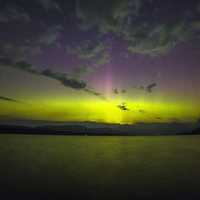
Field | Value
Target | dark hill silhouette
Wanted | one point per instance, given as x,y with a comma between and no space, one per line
196,131
92,128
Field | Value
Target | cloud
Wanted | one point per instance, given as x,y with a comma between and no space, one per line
63,78
91,66
115,91
147,32
104,16
94,53
35,50
82,70
150,87
123,107
123,91
23,65
13,51
158,39
198,8
87,50
142,111
50,36
2,98
73,83
20,52
6,61
158,118
102,59
97,94
33,47
118,91
48,5
12,13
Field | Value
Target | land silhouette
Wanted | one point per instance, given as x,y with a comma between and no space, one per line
93,128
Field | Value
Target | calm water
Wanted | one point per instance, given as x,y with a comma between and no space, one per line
41,167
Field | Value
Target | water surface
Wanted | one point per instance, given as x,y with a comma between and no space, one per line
41,167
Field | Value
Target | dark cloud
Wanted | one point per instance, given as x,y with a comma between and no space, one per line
141,88
93,92
23,65
123,107
14,14
63,78
145,24
49,5
123,91
2,98
6,61
115,91
150,87
118,91
142,111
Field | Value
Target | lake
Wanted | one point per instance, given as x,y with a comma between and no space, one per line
86,167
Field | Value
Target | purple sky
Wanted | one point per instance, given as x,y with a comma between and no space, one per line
132,49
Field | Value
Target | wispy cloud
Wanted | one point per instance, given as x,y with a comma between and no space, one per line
13,13
2,98
63,78
146,32
150,87
48,5
50,36
93,53
118,91
32,47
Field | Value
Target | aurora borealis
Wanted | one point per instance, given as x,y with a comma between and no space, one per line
100,61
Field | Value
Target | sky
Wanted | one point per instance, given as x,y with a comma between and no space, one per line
108,61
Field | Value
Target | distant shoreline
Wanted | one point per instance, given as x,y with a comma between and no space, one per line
85,131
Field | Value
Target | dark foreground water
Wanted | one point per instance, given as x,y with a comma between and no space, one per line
56,167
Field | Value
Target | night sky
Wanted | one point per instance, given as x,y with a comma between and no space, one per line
113,61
